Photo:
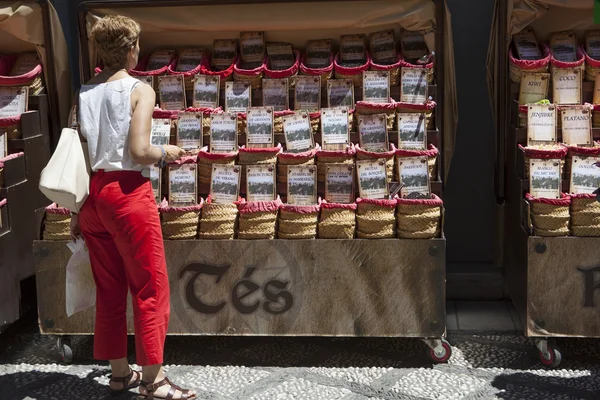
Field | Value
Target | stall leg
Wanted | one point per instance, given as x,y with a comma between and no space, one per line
550,357
65,350
439,350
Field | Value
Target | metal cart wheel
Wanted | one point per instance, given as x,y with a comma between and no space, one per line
440,350
65,349
550,356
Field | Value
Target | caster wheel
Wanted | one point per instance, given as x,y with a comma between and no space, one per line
554,358
65,351
443,356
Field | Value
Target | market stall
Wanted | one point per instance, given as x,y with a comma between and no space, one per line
35,90
543,97
283,248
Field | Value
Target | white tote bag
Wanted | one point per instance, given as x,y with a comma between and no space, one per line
66,178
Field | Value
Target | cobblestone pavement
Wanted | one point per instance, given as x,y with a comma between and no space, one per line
483,366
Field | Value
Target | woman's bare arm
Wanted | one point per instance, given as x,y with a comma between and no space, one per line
141,150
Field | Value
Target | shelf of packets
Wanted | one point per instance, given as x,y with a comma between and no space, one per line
375,69
21,83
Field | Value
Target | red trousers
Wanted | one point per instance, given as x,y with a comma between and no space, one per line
121,227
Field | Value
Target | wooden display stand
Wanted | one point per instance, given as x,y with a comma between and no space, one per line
21,216
551,281
389,288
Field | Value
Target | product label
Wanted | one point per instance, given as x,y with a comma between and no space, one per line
585,175
544,178
237,96
372,179
383,45
411,131
225,183
276,94
334,128
302,184
413,45
281,56
339,183
182,184
541,124
161,132
413,174
297,131
576,126
526,44
564,46
352,47
260,127
13,101
223,133
172,92
372,132
224,53
252,47
25,63
318,53
189,59
340,93
592,44
307,93
206,91
534,87
160,59
413,86
566,84
189,131
260,182
376,86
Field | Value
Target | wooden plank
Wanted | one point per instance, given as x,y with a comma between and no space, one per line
563,296
328,287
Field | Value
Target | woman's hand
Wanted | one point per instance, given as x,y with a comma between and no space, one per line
75,229
174,153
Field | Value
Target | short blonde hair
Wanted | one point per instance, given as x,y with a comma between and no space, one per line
113,36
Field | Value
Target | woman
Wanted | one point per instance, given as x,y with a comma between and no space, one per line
119,221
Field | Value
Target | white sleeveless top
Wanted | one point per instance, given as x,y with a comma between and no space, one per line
104,119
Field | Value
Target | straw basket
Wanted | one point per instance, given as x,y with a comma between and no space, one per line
354,73
140,69
225,75
593,151
426,109
389,109
57,223
558,153
289,73
284,159
258,220
254,156
180,223
550,217
325,73
298,222
431,153
325,157
579,63
33,79
315,121
429,67
375,218
253,76
337,221
585,215
206,160
218,221
188,76
419,218
394,70
372,155
518,67
592,67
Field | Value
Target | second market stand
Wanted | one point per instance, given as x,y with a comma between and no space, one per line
389,287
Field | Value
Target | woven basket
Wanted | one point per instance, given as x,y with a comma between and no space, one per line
254,76
206,160
225,75
389,109
389,156
188,76
426,109
592,67
580,63
518,67
251,156
140,69
325,157
289,73
218,221
337,221
593,151
298,222
581,203
585,215
375,219
284,159
57,223
33,79
556,153
325,73
431,153
394,70
315,121
419,218
258,220
180,223
429,67
550,217
354,73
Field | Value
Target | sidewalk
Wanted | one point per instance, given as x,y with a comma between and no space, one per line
491,360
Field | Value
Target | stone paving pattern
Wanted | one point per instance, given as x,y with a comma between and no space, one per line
483,366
